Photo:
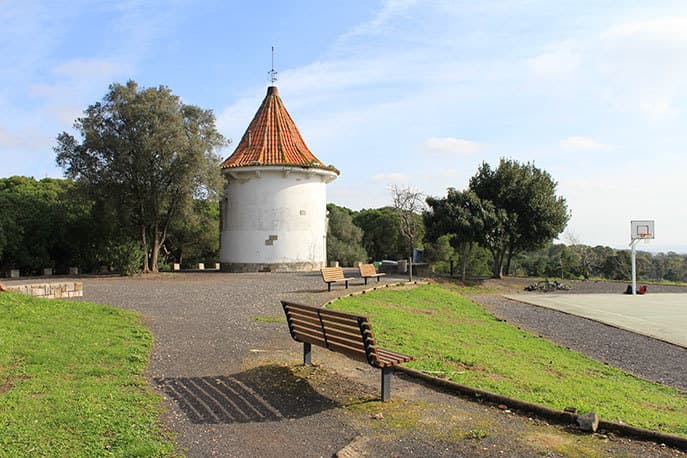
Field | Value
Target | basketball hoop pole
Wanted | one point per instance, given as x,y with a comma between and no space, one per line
634,266
639,230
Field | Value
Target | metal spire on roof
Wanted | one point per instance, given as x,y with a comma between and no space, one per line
273,72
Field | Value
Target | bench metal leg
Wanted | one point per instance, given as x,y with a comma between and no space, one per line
329,287
377,279
307,354
366,280
346,284
386,384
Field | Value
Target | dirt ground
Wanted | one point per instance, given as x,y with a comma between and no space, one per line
234,385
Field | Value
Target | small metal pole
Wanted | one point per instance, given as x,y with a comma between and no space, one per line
634,268
386,384
307,354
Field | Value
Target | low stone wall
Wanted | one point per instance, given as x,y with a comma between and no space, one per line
49,290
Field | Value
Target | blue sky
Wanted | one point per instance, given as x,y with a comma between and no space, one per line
415,93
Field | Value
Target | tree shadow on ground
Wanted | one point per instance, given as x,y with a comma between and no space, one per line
261,394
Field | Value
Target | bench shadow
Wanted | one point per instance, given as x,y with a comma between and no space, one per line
262,394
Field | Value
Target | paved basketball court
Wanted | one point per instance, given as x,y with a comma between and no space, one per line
662,316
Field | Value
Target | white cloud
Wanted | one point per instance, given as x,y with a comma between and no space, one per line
583,144
390,178
452,145
98,69
665,30
390,9
561,61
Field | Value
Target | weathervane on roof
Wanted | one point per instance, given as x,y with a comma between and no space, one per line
273,72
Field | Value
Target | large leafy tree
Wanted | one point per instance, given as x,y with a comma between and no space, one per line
463,215
528,213
195,238
344,239
382,237
43,223
147,154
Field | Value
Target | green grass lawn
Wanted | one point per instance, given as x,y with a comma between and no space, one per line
451,335
71,381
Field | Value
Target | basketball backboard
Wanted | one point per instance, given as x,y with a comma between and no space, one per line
642,229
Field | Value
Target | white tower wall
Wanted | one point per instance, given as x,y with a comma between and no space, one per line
274,219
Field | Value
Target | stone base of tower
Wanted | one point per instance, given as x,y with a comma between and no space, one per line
271,267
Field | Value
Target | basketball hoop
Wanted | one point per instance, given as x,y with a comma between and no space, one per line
639,230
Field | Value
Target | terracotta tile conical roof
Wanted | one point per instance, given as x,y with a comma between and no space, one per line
272,138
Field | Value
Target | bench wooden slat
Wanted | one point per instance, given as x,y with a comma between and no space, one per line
333,274
330,338
334,321
310,322
325,312
330,345
308,336
369,271
340,332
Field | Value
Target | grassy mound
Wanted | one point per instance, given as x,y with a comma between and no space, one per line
71,381
454,337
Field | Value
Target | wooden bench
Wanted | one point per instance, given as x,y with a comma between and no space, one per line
343,333
334,275
369,271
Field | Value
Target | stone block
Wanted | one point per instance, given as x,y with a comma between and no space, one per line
217,265
176,266
201,266
14,273
588,422
47,271
73,271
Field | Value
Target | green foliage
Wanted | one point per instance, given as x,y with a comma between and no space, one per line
439,253
463,215
527,213
344,239
42,224
449,334
143,156
382,237
126,258
195,238
72,379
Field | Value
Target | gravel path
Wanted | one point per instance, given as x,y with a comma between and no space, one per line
640,355
234,387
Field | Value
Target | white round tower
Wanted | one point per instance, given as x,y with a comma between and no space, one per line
273,214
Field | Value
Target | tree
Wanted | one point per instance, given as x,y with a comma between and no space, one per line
527,210
147,154
40,224
460,213
382,237
195,238
343,237
409,205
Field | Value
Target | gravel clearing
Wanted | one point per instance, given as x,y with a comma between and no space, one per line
234,386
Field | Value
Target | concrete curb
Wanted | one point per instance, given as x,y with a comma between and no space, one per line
557,416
